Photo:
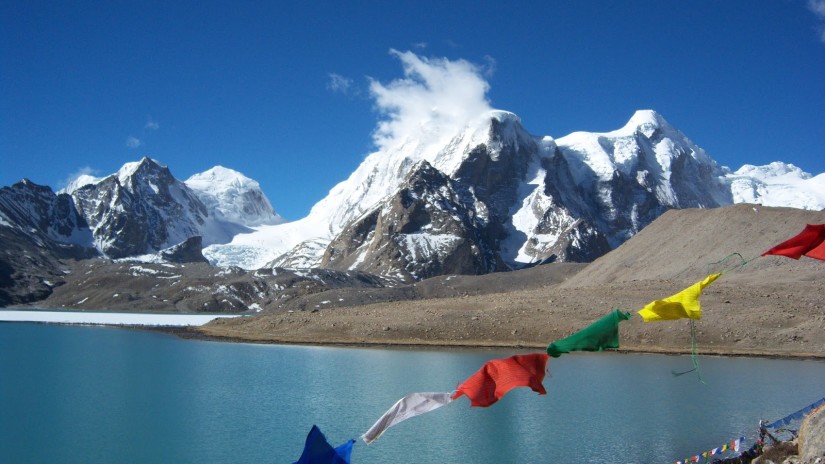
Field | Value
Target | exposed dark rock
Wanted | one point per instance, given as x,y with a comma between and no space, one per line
105,285
425,229
142,211
38,229
188,251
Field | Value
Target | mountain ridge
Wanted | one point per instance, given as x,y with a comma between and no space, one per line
524,200
572,198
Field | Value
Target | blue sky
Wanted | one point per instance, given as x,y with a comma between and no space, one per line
281,91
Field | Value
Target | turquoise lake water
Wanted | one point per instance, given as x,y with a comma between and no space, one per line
103,395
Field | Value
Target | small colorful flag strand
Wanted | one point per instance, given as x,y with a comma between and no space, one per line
733,445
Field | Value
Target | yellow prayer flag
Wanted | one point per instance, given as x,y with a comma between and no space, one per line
682,304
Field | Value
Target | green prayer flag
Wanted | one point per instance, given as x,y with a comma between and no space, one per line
599,335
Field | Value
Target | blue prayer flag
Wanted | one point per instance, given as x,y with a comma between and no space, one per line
797,415
318,451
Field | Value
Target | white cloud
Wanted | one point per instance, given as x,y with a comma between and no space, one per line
339,83
817,7
436,98
133,142
151,124
489,66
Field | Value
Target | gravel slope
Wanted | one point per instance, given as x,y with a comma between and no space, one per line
769,306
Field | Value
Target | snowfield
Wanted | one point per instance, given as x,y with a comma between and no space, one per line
109,318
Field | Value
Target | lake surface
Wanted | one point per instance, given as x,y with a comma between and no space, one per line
103,395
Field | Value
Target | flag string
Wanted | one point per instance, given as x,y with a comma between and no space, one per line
600,335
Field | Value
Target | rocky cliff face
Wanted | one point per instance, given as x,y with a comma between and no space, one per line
38,229
188,251
427,228
37,211
141,209
521,200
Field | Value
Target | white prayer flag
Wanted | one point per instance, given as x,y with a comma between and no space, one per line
411,405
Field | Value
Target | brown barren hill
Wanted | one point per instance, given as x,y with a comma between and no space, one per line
768,306
689,243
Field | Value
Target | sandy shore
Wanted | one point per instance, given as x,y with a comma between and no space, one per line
739,320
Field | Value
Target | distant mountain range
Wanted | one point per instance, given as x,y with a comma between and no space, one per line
490,197
493,196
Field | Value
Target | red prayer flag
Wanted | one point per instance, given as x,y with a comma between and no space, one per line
818,252
810,242
499,376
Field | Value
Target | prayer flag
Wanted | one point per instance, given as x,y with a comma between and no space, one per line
599,335
318,451
499,376
409,406
682,304
796,415
810,242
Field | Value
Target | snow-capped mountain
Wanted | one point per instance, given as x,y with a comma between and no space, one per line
531,199
229,196
381,174
487,197
139,210
38,228
79,181
778,184
427,228
40,213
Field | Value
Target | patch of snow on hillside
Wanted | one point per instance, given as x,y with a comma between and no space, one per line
526,218
4,221
109,318
425,247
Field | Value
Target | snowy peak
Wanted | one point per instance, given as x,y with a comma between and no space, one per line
79,182
661,158
143,208
131,169
140,209
426,228
230,196
221,178
491,139
36,209
645,122
772,171
777,184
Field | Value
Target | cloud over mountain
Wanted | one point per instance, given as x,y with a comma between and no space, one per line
436,98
